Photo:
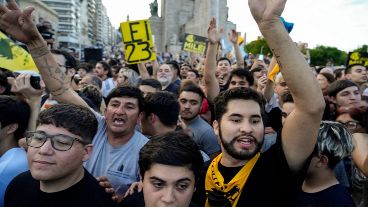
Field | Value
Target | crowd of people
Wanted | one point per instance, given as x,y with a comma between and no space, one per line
201,131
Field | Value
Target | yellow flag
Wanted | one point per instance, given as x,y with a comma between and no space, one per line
273,73
14,57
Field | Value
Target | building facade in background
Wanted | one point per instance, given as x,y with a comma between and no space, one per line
43,14
69,12
77,24
183,16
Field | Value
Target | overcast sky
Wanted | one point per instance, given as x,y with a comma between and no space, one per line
338,23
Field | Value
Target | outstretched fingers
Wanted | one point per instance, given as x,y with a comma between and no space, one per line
3,10
213,22
12,5
26,16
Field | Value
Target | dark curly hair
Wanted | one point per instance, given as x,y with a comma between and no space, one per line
78,120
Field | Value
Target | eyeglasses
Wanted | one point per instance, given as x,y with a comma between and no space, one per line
350,124
59,142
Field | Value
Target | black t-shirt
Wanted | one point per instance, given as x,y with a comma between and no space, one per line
271,182
334,196
23,190
137,200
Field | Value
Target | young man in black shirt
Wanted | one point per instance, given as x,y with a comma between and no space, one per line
56,152
241,175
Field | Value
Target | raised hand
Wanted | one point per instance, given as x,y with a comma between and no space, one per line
134,186
214,36
261,83
18,23
23,87
233,36
264,11
104,182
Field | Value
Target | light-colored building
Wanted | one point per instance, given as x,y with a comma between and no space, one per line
43,14
182,16
69,21
84,38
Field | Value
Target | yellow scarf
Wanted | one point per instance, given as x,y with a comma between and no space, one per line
231,191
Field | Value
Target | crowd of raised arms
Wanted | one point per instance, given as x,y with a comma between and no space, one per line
199,131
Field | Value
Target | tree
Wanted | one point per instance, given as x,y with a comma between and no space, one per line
362,49
322,54
258,47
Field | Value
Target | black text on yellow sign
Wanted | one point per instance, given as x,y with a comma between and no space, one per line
357,58
138,43
194,43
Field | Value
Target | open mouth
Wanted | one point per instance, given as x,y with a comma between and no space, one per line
245,142
118,121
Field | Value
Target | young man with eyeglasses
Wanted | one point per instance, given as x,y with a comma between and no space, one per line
56,152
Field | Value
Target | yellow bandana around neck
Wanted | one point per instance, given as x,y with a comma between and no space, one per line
229,192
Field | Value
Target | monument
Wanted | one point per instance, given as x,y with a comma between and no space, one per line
185,16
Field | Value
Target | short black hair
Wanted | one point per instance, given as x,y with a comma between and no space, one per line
107,67
194,89
127,91
70,60
340,85
76,119
13,110
223,58
222,100
173,148
95,80
349,68
195,72
4,83
92,95
86,66
186,64
338,72
175,65
164,105
242,73
329,77
151,82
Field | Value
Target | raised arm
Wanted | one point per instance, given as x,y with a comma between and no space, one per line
300,130
20,26
143,71
212,88
155,67
233,37
31,96
360,153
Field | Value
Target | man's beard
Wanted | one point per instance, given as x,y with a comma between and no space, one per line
164,80
189,118
239,155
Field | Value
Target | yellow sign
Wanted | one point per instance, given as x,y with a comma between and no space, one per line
357,58
138,41
195,44
14,57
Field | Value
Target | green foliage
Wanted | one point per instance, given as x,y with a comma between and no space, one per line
321,54
5,49
255,47
362,49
